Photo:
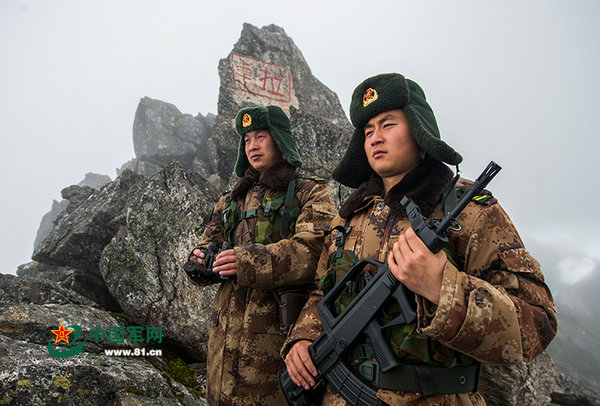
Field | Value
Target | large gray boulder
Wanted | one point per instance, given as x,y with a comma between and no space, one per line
321,145
161,134
91,180
142,265
79,237
143,229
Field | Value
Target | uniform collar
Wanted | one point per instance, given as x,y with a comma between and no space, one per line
275,178
424,185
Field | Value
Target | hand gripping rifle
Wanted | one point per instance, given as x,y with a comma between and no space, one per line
341,332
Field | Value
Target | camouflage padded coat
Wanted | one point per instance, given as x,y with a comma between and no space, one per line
243,350
496,309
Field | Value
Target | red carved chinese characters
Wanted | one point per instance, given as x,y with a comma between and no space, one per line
261,78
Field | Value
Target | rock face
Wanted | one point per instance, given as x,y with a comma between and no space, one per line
91,180
161,133
111,255
47,222
123,247
30,376
80,236
265,67
142,263
88,284
530,384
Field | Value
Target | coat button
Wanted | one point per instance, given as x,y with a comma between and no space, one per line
528,261
380,206
262,260
480,300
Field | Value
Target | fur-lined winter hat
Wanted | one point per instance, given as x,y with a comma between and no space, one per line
270,118
384,92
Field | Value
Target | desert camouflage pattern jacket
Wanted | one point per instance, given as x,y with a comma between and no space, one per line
496,309
243,349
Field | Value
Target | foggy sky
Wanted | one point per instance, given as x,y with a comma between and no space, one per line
511,81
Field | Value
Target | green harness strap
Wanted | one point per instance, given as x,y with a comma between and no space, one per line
449,197
287,209
232,216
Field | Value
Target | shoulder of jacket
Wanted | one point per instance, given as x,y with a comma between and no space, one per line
316,179
309,185
226,196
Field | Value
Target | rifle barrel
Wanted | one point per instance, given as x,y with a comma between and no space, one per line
478,185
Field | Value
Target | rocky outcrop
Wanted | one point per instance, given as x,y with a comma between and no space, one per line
161,134
31,376
142,263
265,67
82,232
530,384
573,392
151,224
88,284
123,246
91,180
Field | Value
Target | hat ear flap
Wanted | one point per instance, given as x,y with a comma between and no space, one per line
424,130
241,164
281,132
354,167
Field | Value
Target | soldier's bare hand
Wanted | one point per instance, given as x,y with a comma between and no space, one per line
225,263
300,366
416,267
198,257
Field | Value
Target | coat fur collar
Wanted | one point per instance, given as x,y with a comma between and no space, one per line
424,185
275,178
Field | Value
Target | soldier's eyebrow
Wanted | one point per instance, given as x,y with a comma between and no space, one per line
380,121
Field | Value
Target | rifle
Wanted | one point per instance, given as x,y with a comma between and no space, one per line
360,317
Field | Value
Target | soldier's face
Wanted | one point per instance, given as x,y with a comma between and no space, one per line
261,150
390,147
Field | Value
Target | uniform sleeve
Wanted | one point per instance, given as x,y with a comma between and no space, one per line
308,325
213,232
293,260
500,310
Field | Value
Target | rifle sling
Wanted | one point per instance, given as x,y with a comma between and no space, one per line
423,379
287,209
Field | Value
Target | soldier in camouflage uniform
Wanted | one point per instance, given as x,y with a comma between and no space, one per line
245,334
482,300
